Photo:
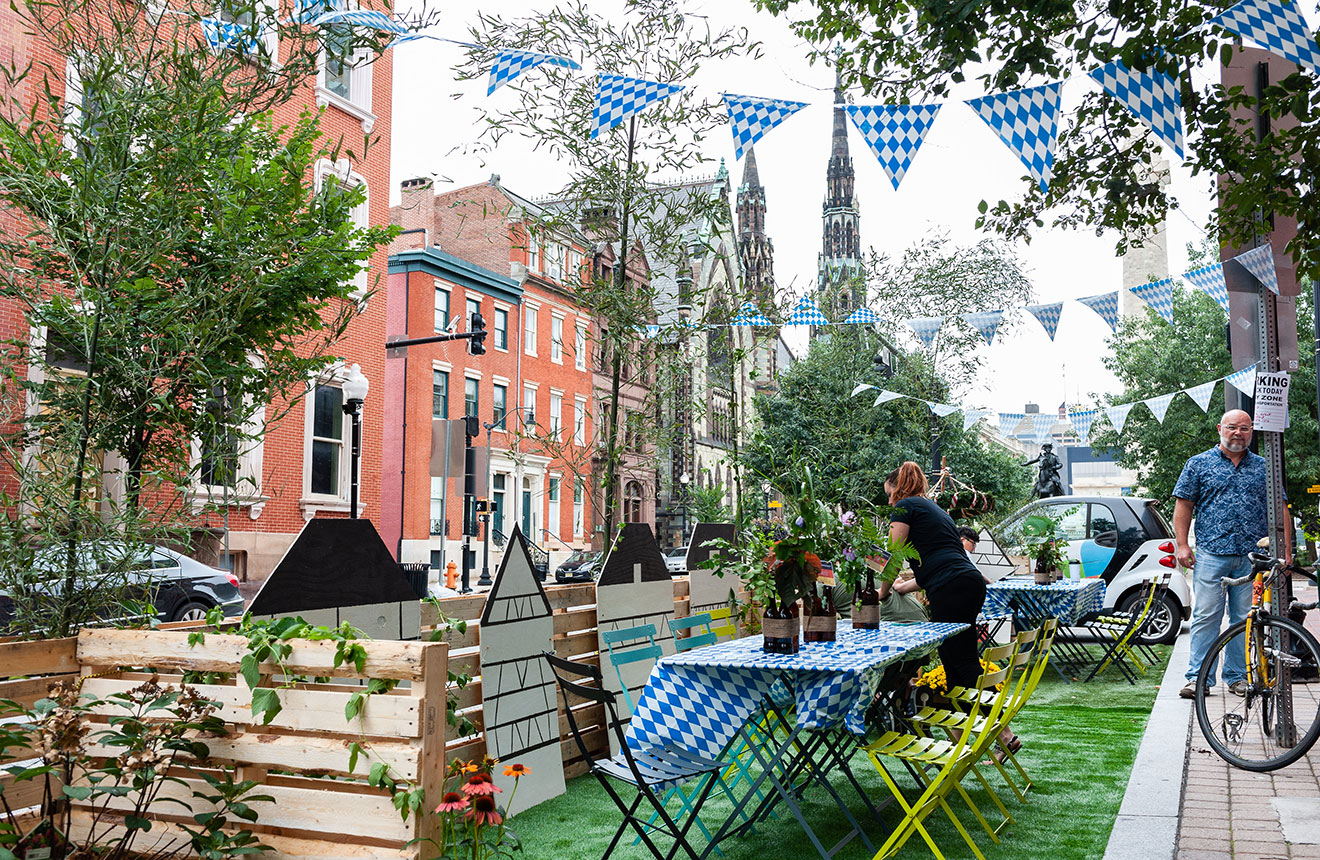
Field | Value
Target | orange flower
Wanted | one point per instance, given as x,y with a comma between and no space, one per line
812,563
471,768
517,770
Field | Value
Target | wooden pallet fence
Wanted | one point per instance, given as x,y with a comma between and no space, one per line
27,671
321,809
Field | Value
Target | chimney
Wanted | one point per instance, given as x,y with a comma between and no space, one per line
1031,409
416,211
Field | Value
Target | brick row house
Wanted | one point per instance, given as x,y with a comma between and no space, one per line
301,467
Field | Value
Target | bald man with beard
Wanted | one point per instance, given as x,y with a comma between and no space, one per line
1224,491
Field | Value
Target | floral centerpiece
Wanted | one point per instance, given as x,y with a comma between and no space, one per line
932,685
472,823
1038,538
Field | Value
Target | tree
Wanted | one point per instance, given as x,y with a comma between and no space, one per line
1103,171
172,250
1151,357
612,190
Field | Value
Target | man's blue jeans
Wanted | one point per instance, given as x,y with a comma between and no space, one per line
1208,600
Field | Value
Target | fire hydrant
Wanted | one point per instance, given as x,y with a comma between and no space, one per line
451,575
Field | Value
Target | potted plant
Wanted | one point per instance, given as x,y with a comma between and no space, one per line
1039,540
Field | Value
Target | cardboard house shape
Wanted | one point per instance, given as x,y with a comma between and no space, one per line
707,590
990,558
519,707
339,570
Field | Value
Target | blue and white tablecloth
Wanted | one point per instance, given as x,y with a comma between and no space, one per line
1067,600
700,698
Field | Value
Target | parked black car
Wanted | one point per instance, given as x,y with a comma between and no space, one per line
581,566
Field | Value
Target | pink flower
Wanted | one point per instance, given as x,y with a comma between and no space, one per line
484,810
452,802
847,518
480,785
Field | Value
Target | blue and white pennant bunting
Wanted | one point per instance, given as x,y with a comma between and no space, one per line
926,328
1009,421
1028,122
894,133
862,316
1202,393
1159,406
1159,296
361,18
1106,305
1210,280
752,117
1117,415
1041,427
748,315
1244,380
1276,26
1047,316
806,313
1260,263
1153,97
618,98
510,63
986,322
1081,422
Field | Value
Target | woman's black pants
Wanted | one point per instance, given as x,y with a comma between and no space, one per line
959,601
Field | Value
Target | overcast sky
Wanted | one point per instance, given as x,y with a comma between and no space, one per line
961,162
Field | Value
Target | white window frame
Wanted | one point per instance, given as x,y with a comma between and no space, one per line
504,309
580,347
269,33
556,416
579,420
579,504
529,404
247,472
361,214
358,104
557,338
311,502
441,287
554,262
533,251
554,482
529,329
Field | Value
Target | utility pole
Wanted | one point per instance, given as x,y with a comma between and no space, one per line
469,498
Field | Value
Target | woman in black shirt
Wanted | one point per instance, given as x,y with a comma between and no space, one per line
954,588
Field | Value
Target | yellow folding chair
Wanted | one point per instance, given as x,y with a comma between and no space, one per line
727,630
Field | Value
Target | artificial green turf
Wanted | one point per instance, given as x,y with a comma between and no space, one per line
1079,742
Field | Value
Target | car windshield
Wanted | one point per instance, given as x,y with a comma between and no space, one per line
578,557
678,552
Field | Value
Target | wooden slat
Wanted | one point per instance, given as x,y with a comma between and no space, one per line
29,792
682,584
27,691
306,710
468,662
431,692
574,769
575,619
38,657
314,811
470,696
223,653
566,596
467,751
588,716
595,740
465,608
574,644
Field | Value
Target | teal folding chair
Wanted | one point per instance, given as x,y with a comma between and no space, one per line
693,638
630,645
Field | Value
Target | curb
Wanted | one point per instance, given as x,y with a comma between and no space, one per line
1147,823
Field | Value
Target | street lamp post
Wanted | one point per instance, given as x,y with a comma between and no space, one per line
683,480
355,389
765,493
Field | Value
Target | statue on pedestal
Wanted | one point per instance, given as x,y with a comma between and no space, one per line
1047,478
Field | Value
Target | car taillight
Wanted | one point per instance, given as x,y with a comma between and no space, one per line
1167,546
233,580
1169,561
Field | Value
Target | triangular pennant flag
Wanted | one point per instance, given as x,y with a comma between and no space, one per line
1276,26
650,330
1159,296
1201,394
307,11
1028,121
861,386
752,117
220,35
1048,316
749,315
1042,425
894,133
1081,423
1244,380
986,322
360,18
1106,305
806,313
972,417
862,315
1260,262
926,328
1210,280
1118,415
1153,97
509,64
618,98
886,396
941,410
1009,421
1159,406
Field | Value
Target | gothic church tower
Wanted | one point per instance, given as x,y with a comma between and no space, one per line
839,286
756,253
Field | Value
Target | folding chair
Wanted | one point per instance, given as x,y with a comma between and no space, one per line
729,629
648,771
694,638
625,646
1117,630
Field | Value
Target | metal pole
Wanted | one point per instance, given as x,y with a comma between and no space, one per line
357,455
485,548
469,498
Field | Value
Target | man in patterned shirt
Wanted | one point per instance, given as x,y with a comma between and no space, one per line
1224,490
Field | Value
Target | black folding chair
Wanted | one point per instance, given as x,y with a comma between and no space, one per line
651,772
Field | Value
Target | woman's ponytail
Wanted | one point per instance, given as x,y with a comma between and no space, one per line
908,480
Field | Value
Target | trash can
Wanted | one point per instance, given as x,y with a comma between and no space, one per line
417,573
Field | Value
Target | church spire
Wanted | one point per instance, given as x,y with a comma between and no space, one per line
755,250
839,276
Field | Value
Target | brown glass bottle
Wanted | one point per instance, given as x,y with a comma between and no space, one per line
794,625
867,614
829,633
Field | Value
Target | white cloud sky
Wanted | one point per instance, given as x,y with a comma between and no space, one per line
961,162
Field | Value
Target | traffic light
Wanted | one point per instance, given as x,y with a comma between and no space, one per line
477,330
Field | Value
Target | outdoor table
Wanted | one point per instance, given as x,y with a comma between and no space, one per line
1030,604
704,698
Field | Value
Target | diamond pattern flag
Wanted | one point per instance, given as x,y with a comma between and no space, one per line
986,322
752,117
1028,121
1106,305
941,410
226,34
862,315
973,416
1210,280
306,11
749,315
806,313
1042,426
509,64
1201,394
1260,262
1159,295
1009,421
885,397
1159,406
1081,422
1117,415
361,18
926,328
1244,380
1152,97
618,98
894,133
1276,25
1047,316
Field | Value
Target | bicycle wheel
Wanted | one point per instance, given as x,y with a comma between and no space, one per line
1245,730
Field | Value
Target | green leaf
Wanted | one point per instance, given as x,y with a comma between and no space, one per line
250,669
354,750
78,792
135,822
266,704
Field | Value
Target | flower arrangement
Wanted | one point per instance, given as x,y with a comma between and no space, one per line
472,824
934,682
1038,538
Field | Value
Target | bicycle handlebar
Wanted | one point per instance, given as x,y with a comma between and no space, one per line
1261,562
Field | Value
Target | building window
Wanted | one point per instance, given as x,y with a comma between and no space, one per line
470,401
632,502
219,448
552,517
529,330
441,309
439,394
501,329
573,268
437,506
557,340
529,408
473,307
578,492
327,440
533,252
501,406
579,421
339,179
556,403
339,63
580,348
554,262
497,499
